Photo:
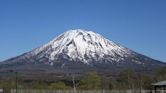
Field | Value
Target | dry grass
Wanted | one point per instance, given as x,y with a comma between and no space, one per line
80,91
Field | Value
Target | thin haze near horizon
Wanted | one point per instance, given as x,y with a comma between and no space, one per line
139,25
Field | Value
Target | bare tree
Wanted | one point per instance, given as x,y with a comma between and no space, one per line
74,84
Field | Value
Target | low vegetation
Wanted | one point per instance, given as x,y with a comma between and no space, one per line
127,79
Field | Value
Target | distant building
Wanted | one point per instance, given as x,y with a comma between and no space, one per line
159,87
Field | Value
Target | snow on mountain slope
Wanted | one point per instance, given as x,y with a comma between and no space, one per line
82,45
78,51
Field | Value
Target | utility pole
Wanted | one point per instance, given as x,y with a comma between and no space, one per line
16,73
16,78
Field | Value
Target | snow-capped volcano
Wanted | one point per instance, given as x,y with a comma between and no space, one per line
81,45
77,51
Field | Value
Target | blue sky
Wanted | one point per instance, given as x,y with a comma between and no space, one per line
137,24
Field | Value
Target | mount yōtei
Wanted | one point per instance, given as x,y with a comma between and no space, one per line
78,51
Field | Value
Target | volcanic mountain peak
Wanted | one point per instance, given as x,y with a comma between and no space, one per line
82,45
78,51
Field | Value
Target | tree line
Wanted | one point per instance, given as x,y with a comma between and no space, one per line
127,79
